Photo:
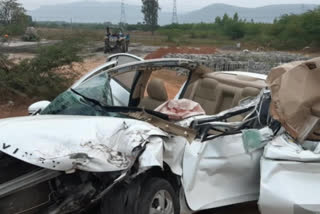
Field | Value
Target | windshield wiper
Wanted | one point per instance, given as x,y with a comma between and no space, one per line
121,109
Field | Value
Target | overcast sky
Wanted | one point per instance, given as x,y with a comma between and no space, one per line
183,5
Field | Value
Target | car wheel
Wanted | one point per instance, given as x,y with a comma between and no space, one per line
123,47
127,46
156,196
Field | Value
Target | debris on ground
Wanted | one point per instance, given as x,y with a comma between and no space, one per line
257,62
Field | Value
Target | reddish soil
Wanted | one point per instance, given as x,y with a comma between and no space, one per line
161,52
13,110
15,107
172,81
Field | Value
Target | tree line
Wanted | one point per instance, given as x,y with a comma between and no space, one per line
288,32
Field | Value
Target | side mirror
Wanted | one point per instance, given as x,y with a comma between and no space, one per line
38,106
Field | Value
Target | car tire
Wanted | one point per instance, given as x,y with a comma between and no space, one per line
124,47
158,196
154,194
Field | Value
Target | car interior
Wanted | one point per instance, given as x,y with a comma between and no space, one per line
218,91
215,91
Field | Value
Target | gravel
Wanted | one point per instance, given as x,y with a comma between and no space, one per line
258,62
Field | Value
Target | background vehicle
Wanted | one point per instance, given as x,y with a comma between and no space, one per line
116,40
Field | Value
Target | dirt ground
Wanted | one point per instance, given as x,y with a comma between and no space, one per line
11,109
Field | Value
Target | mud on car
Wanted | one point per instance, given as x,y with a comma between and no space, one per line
101,145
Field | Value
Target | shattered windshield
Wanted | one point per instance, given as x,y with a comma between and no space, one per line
85,99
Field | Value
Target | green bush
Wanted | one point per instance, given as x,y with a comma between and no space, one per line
289,32
41,76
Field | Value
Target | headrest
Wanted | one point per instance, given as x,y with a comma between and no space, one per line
157,90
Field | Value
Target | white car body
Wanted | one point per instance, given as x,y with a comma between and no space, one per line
213,173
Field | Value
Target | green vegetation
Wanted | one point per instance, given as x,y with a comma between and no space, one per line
291,32
43,76
81,34
13,20
150,10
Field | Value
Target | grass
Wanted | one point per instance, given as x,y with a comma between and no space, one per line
68,33
144,38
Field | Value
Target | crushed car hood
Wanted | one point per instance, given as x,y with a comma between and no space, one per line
67,143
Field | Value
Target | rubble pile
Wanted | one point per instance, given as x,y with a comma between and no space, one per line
161,52
259,62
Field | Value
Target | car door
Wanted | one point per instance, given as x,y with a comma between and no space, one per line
121,85
219,172
99,69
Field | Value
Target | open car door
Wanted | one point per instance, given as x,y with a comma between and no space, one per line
122,84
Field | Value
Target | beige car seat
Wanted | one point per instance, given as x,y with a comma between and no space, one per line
157,95
216,92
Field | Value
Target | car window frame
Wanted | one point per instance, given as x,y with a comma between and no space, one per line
116,56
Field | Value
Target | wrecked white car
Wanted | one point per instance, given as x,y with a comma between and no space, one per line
100,145
290,169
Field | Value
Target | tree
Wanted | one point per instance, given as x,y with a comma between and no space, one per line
218,20
150,10
236,17
13,20
11,12
225,19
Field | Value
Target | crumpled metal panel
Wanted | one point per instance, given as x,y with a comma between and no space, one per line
290,177
219,172
67,143
174,149
283,147
289,187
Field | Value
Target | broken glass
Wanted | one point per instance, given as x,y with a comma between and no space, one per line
73,102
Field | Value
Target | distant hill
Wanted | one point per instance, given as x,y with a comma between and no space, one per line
93,11
259,14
